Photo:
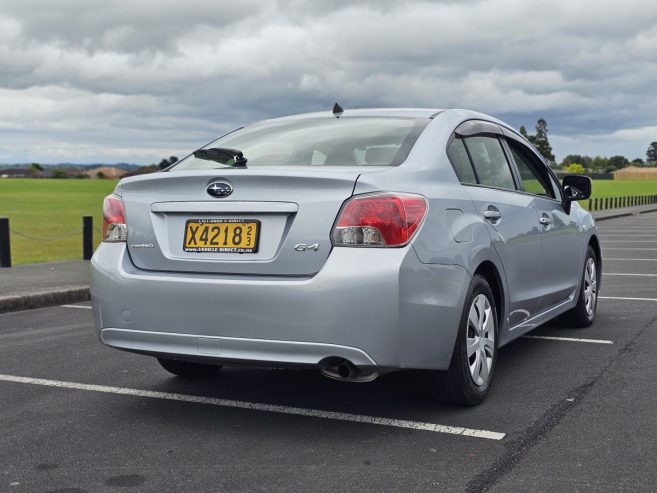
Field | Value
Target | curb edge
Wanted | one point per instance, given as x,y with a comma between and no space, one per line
43,299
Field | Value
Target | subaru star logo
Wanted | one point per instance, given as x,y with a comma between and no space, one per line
219,189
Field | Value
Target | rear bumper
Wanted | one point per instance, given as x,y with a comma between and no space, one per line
373,307
235,349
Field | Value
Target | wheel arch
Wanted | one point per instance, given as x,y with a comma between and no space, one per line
594,243
492,275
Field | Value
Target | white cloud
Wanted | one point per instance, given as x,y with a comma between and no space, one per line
132,78
608,144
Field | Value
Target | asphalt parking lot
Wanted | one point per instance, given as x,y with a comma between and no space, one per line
571,410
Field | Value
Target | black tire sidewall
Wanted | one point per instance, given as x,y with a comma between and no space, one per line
473,392
590,253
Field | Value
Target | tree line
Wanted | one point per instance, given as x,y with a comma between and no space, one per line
577,163
572,163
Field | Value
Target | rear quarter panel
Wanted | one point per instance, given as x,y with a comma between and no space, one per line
453,233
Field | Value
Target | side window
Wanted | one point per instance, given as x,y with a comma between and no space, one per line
534,178
556,187
490,162
460,161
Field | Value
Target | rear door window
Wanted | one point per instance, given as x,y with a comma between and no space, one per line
490,162
458,156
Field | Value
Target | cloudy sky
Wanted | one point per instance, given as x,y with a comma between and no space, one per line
108,81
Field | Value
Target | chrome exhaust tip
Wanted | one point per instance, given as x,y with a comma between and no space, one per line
344,370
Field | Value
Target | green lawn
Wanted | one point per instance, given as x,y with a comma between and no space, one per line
611,188
51,208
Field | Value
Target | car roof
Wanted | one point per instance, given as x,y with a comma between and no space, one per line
395,112
453,114
392,112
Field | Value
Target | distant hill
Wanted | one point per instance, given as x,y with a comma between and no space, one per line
125,166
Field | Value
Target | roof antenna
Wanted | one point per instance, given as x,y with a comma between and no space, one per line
337,110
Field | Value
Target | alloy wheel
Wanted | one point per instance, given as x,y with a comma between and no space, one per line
480,339
590,286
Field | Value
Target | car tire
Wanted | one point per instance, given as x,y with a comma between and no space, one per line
587,301
188,369
466,382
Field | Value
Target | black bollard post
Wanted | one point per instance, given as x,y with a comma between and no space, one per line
5,250
87,237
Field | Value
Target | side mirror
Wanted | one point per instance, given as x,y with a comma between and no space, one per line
575,187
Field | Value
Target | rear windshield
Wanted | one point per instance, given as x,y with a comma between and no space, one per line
325,141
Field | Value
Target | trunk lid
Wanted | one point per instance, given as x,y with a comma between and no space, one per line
292,207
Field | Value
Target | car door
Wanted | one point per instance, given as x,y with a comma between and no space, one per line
560,257
512,221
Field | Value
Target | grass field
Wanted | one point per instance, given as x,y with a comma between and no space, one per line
611,188
52,208
47,209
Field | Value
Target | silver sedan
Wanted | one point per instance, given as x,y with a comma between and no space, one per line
359,243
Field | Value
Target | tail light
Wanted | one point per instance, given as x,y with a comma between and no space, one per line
379,220
114,224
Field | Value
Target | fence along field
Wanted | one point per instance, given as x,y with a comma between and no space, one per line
614,188
52,211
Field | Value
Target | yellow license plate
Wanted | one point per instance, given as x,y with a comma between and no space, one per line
221,235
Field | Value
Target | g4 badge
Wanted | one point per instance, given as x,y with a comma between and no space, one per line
304,247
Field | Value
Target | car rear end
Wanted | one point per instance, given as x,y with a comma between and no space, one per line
277,263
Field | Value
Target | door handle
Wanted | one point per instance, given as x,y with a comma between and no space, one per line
544,220
492,215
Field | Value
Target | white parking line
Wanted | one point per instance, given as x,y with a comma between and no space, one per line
255,406
569,339
622,298
619,274
85,307
621,248
633,259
